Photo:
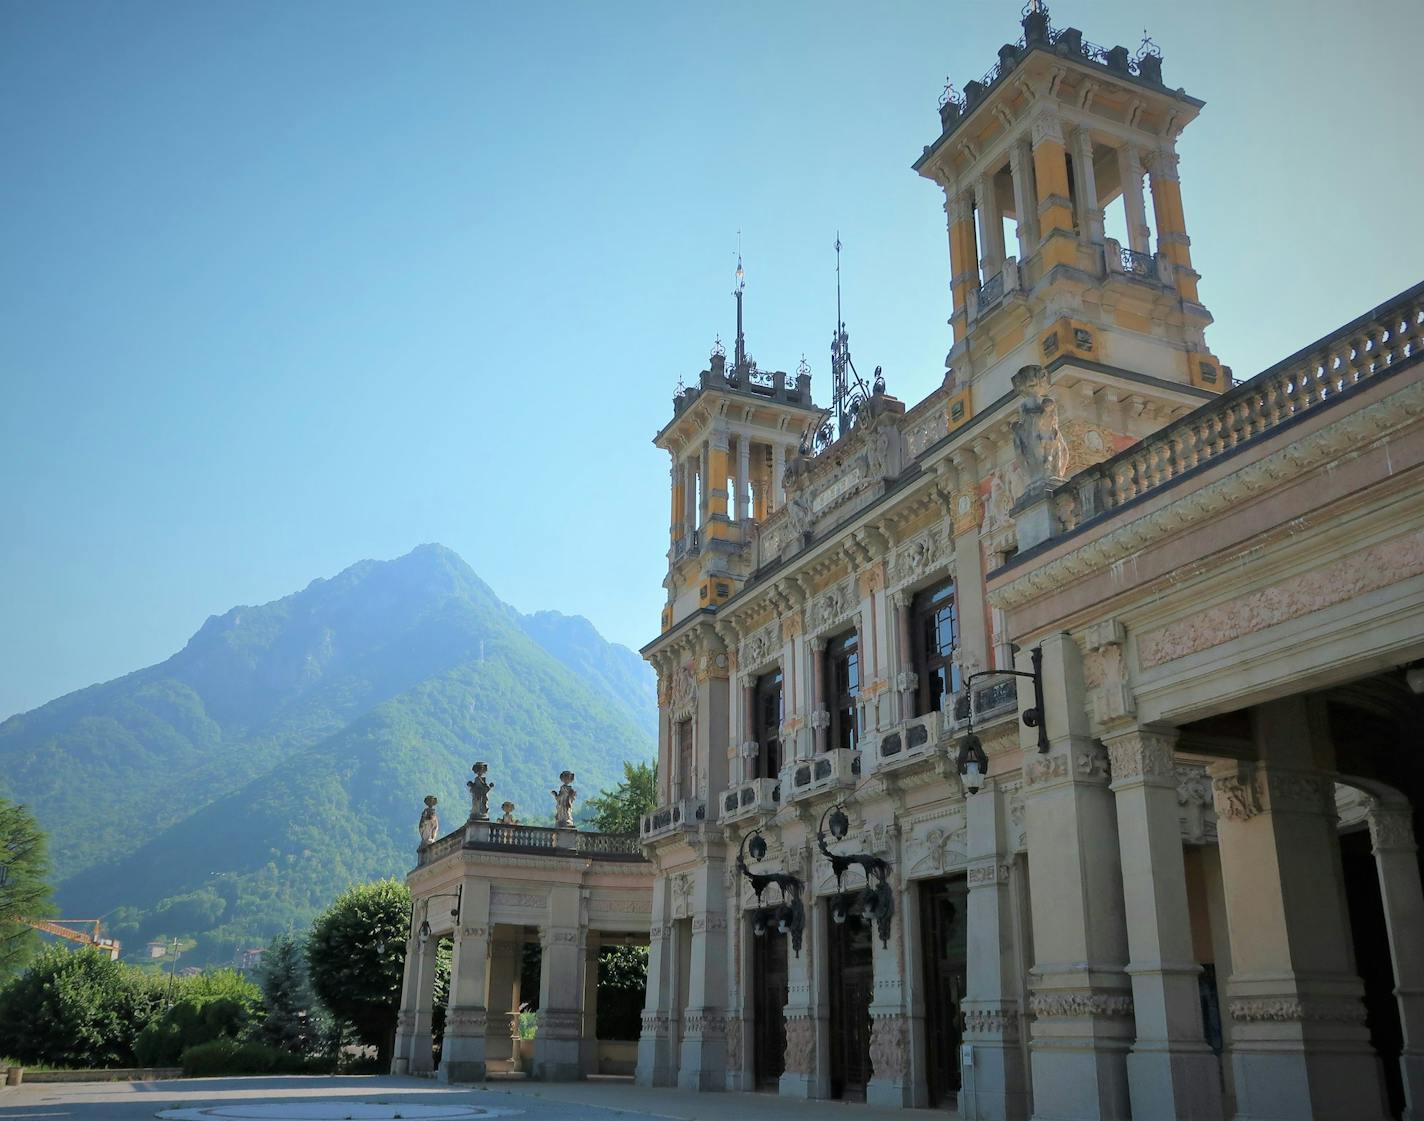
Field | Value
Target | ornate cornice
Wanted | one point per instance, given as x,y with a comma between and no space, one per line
1352,432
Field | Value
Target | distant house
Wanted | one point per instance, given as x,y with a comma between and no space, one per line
250,958
157,950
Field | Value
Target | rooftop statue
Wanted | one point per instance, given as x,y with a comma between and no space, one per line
479,788
564,801
429,825
508,817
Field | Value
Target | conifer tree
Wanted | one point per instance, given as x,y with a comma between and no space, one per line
286,997
24,892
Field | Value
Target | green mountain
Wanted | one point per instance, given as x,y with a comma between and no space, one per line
235,788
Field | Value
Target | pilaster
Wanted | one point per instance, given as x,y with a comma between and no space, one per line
556,1042
703,1055
462,1056
412,1053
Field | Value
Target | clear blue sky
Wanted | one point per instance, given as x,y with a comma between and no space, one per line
286,285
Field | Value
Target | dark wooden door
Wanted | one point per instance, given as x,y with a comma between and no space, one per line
768,1009
942,931
851,983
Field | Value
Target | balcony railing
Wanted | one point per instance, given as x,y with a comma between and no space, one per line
670,818
1374,345
1141,265
485,835
831,770
991,290
909,741
746,799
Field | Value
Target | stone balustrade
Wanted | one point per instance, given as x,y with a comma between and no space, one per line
830,770
1373,346
537,839
749,799
908,742
672,818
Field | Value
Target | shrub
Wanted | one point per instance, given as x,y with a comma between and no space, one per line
228,1056
77,1008
207,1007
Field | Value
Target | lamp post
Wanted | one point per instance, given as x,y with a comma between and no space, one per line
972,762
789,915
873,902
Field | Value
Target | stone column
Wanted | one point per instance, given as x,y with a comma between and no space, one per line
675,488
463,1053
806,1075
1129,169
906,679
556,1042
703,1055
588,1042
892,1081
744,474
1300,1049
1055,203
973,635
412,1053
689,498
1090,215
704,474
778,468
995,1086
749,759
1080,994
991,227
656,1062
963,257
820,716
1172,239
1396,860
502,1011
1025,198
1170,1071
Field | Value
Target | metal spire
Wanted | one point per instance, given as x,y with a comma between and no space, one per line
739,352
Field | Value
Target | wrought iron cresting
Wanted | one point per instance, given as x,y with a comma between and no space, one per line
875,902
788,915
850,396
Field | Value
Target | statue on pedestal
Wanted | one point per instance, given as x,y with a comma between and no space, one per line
564,801
508,818
429,821
479,788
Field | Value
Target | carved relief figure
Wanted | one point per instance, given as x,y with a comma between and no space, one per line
564,801
1037,440
798,511
429,821
479,788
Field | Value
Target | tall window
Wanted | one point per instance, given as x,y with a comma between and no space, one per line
766,720
935,619
685,775
843,677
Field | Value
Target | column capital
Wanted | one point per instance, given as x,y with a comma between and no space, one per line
1391,827
1047,128
1162,164
959,207
1142,754
1241,790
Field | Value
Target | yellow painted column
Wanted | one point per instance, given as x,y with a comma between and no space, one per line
1055,200
1172,237
718,469
963,257
675,524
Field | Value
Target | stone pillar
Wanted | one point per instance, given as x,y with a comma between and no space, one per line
704,475
463,1053
556,1042
1397,862
1300,1049
689,498
892,1081
1080,994
703,1055
963,257
588,1041
749,759
973,635
1129,169
1055,203
744,474
412,1053
807,1075
906,679
1172,239
1170,1071
656,1062
995,1086
991,227
1090,215
820,716
502,1007
1025,198
675,488
778,468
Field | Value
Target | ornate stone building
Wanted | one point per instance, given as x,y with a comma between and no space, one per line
1168,871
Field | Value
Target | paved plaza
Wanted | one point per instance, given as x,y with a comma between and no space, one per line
299,1098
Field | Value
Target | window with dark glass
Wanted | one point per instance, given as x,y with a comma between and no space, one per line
935,621
766,722
843,679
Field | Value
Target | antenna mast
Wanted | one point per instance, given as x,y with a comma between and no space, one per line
739,350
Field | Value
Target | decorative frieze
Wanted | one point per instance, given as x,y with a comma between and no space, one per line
1253,789
1236,796
466,1021
1391,828
800,1045
558,1025
500,898
831,607
763,645
1294,1010
1061,1005
1142,754
703,1023
989,873
657,1025
709,922
1000,1022
919,557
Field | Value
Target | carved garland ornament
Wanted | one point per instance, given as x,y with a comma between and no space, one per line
1339,1010
1068,1005
889,1044
800,1045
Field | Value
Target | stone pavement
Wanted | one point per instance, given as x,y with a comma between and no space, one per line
324,1099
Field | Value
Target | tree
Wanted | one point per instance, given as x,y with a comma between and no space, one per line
24,892
286,998
77,1008
620,810
217,1005
355,954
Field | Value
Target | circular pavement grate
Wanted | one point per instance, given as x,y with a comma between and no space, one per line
330,1110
